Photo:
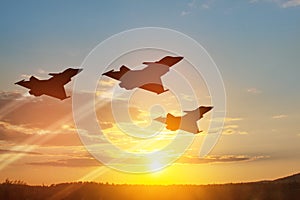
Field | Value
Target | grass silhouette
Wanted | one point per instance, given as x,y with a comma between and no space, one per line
284,188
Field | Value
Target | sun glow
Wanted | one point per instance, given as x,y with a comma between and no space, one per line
155,165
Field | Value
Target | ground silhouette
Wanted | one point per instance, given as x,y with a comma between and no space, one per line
262,190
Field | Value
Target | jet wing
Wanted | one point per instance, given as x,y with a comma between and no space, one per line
191,127
152,87
156,86
198,113
65,76
168,61
57,92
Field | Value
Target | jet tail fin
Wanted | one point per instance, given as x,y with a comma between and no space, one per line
169,115
167,60
33,79
117,74
124,69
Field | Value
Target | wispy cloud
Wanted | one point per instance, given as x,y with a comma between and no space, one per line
254,90
233,129
218,159
91,162
9,96
233,119
7,151
234,132
184,13
41,71
19,135
290,3
72,162
279,116
193,5
280,3
207,4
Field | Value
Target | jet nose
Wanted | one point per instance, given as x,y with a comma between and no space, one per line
160,119
176,59
19,82
170,60
209,108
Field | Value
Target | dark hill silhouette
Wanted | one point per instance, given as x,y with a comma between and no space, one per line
263,190
295,178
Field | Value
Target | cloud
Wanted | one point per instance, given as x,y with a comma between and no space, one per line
106,113
7,151
233,119
41,112
20,135
291,3
280,3
205,6
46,121
72,162
279,116
233,129
4,95
218,159
254,91
187,97
91,162
234,132
228,119
233,126
41,71
10,132
184,13
192,5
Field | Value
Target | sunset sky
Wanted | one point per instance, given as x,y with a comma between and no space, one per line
254,43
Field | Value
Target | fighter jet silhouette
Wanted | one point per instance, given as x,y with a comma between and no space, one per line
147,78
187,122
53,86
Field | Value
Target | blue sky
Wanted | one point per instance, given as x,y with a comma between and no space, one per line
255,44
246,39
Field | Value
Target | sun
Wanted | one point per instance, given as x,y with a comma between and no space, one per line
155,165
